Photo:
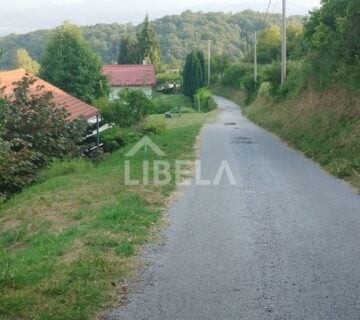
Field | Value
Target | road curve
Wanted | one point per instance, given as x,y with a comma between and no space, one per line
283,243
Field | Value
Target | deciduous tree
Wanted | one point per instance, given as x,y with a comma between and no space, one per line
23,60
70,64
269,42
33,132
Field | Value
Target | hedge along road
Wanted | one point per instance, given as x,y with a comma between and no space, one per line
284,243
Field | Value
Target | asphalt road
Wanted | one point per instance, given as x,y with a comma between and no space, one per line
284,243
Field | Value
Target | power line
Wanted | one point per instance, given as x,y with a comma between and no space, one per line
267,11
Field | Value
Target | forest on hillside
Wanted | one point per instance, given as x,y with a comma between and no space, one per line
231,33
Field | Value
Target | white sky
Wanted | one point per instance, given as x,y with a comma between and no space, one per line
20,16
22,4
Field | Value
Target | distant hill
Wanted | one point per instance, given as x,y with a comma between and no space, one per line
178,34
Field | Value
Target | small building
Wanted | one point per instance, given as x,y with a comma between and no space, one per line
75,107
132,76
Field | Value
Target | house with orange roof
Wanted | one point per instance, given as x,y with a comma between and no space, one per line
132,76
76,108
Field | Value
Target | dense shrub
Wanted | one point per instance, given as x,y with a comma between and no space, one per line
297,74
33,132
131,107
332,37
17,166
169,77
116,137
153,126
272,74
234,74
219,64
112,139
165,103
296,79
251,88
207,101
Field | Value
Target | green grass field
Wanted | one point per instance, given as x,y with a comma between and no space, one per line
67,242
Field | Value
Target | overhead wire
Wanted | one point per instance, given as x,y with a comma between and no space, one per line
267,11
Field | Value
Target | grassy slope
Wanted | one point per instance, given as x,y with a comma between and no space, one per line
64,242
325,126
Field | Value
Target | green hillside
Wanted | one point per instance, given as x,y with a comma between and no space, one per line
178,34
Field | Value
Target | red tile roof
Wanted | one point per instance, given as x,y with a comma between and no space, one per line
76,108
130,74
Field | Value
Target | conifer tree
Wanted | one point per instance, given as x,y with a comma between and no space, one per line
194,73
129,50
149,44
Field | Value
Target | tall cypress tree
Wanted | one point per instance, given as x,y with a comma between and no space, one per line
201,58
194,73
149,44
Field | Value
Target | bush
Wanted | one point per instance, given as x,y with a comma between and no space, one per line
164,103
153,126
234,74
297,72
295,80
33,132
130,108
207,101
115,138
251,88
169,77
112,139
272,74
17,166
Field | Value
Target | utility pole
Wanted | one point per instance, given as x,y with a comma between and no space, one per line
209,61
255,58
247,45
283,43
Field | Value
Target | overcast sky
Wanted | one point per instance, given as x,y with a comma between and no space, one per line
13,5
20,16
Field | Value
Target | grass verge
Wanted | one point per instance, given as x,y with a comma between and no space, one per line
66,242
324,126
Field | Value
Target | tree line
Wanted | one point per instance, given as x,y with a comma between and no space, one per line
177,35
323,52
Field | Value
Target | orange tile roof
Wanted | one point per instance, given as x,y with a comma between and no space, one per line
76,107
130,74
